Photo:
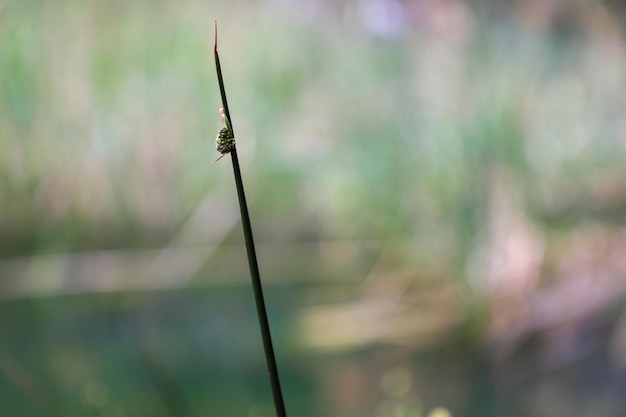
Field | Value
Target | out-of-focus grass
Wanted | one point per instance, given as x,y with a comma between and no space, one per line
108,119
100,140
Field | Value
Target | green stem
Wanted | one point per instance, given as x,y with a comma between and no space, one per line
270,358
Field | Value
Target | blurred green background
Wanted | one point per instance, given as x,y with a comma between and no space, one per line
437,190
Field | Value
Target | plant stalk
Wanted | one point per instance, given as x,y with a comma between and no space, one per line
270,358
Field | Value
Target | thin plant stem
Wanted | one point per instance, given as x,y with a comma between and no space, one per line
270,358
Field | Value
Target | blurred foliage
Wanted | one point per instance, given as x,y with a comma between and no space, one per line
107,114
449,173
108,118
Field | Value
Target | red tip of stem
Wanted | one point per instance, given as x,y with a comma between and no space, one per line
215,35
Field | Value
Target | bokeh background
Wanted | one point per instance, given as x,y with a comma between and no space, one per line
437,190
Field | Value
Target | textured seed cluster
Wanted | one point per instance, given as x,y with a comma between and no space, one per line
225,141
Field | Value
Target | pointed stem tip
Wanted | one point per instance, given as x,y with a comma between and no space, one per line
215,36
